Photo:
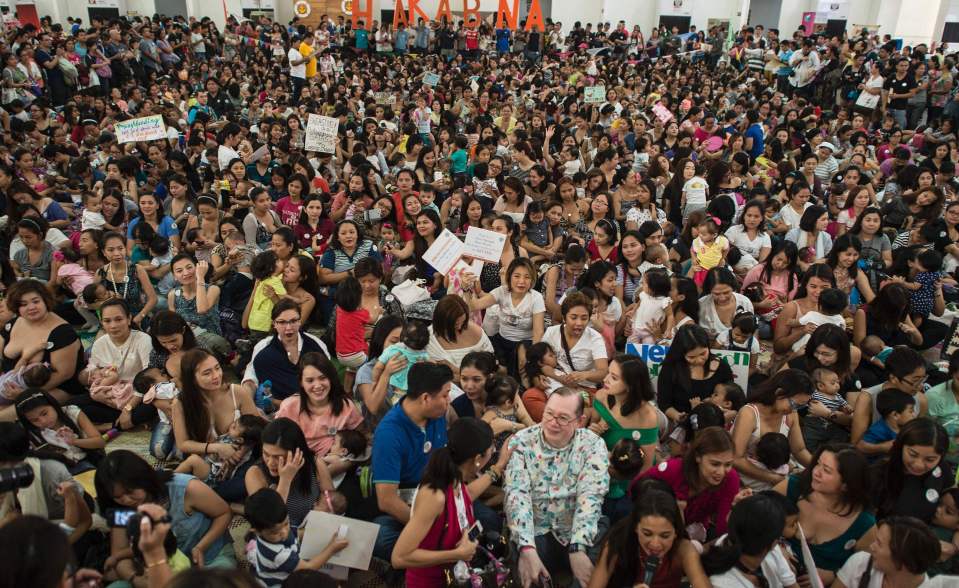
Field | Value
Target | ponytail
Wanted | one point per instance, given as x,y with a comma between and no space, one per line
441,471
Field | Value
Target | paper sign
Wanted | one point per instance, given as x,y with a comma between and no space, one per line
594,94
445,251
148,128
321,133
384,98
483,244
431,79
322,526
662,113
654,355
814,580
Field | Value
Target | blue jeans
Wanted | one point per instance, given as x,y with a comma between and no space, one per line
900,116
162,442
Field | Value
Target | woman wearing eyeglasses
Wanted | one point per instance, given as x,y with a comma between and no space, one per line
771,409
906,371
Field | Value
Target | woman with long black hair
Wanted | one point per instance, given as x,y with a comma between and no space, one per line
740,558
914,476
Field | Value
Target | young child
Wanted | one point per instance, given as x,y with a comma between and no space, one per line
774,218
65,430
626,459
829,414
458,156
15,381
273,551
741,336
925,270
245,434
176,559
756,293
154,389
654,311
730,398
427,197
161,256
538,357
772,455
655,257
945,524
75,277
781,555
92,218
501,393
832,303
704,414
267,270
349,446
538,236
709,250
896,409
875,351
571,161
695,191
412,346
93,296
351,319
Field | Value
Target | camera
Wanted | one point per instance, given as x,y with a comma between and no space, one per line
15,477
119,518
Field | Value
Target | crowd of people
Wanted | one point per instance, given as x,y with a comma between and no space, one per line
267,312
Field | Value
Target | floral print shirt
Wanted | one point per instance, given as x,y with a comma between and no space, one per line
558,491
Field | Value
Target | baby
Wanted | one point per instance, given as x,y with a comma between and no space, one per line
92,217
244,434
945,524
349,446
412,346
832,303
500,396
162,255
656,257
730,398
654,312
875,350
15,381
154,389
772,455
76,278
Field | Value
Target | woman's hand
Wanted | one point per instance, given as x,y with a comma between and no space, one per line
153,531
197,556
395,364
819,409
291,464
465,549
224,450
201,269
504,455
599,427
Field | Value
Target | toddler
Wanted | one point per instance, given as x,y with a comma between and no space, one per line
655,257
455,217
76,278
875,351
92,216
15,381
267,270
774,218
272,550
832,303
756,293
351,320
895,408
626,460
349,446
829,413
730,398
925,270
539,357
709,249
161,257
65,430
572,164
741,336
704,414
93,296
654,310
486,190
501,394
176,559
695,191
945,524
389,242
771,455
538,234
412,347
151,386
245,434
427,197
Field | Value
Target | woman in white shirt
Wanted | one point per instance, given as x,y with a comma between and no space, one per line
799,195
521,312
453,335
811,238
580,351
749,237
750,550
717,309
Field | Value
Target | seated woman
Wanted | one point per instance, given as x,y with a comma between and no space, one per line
443,510
37,335
322,407
832,495
370,392
172,337
453,335
581,359
654,531
197,302
903,550
914,476
203,413
200,519
290,466
35,259
689,372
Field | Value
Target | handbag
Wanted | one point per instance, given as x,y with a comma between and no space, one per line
485,570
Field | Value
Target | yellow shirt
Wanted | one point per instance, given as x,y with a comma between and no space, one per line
305,50
262,308
709,255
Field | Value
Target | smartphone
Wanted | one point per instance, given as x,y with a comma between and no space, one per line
119,517
475,531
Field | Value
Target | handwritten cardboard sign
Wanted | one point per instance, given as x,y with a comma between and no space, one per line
147,128
384,98
321,133
594,94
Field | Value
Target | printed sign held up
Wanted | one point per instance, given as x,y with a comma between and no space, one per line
147,128
431,79
594,94
321,133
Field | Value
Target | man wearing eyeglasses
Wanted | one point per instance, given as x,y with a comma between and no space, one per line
907,372
555,483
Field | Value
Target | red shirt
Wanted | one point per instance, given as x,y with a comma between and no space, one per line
288,210
472,39
350,331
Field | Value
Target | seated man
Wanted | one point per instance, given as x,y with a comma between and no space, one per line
555,483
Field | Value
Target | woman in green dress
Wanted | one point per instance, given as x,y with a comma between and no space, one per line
623,409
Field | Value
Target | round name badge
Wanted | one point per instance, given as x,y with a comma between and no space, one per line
332,431
636,436
849,544
936,473
663,466
427,446
932,496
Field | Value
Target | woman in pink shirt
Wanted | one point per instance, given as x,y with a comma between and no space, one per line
322,408
703,481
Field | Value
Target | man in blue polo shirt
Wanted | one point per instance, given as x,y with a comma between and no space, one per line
402,445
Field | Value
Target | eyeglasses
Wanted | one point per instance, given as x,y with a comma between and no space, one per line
796,405
561,420
288,323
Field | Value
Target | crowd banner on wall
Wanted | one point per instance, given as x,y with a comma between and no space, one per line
321,133
409,13
654,355
147,128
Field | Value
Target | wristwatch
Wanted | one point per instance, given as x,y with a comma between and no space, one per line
577,548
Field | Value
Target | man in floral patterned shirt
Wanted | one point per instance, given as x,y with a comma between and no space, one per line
555,483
